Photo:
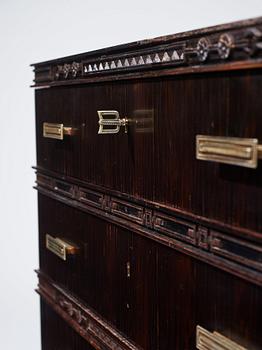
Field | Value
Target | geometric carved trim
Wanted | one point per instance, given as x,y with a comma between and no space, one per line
205,49
235,255
236,249
93,328
233,44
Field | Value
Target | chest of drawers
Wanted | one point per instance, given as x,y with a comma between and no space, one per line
149,193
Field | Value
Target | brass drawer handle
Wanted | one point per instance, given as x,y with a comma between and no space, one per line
110,122
206,340
229,150
60,247
56,131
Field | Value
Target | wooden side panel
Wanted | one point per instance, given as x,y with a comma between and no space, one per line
141,293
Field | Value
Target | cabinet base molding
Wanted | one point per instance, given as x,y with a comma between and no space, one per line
95,330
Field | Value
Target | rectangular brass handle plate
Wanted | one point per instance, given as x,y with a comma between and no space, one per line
56,131
206,340
229,150
60,247
110,122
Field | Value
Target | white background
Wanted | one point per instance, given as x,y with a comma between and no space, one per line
32,31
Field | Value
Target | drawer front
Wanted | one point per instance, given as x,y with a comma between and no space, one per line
155,295
157,158
111,272
117,160
193,295
218,105
56,114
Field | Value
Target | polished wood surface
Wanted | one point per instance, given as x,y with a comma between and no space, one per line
165,242
159,163
161,298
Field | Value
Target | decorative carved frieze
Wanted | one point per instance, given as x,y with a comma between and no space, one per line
206,49
68,71
221,48
212,47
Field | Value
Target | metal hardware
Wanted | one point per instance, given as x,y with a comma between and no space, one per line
128,269
203,48
206,340
230,150
56,131
109,122
60,247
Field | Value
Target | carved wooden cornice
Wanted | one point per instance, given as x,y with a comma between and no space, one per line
226,47
92,327
208,243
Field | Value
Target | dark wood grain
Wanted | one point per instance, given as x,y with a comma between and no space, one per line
161,298
99,274
160,164
166,242
232,254
192,293
85,321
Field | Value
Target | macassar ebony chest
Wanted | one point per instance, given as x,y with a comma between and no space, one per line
149,185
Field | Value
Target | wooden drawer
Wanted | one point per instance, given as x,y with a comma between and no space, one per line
147,291
156,158
218,104
58,106
192,293
112,272
116,161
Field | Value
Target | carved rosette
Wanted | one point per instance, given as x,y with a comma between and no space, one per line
225,45
254,40
203,49
67,71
